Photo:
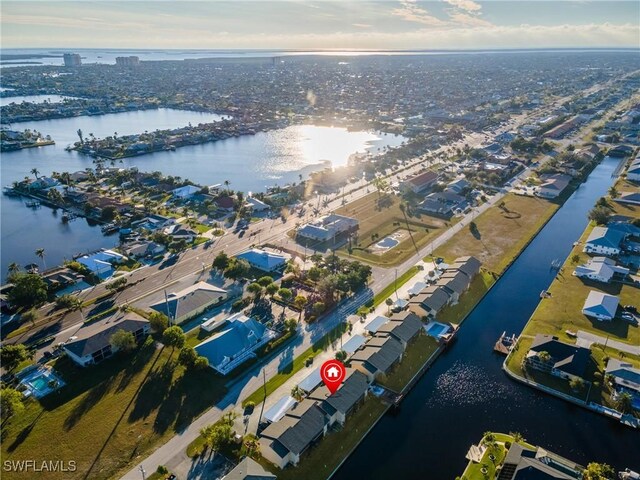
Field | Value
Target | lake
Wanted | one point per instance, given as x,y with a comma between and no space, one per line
250,163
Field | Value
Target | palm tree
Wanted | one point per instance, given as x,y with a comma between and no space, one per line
80,135
517,437
76,306
13,268
403,209
544,356
35,172
40,254
226,184
625,402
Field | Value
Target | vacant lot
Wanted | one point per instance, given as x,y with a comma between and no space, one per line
501,233
624,186
563,310
380,217
111,414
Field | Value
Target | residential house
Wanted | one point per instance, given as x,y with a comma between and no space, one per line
524,462
153,222
61,277
102,263
92,343
443,204
600,306
257,205
180,232
458,186
225,203
249,469
235,344
600,269
419,183
553,185
633,172
328,227
185,192
190,302
265,260
284,441
404,327
430,301
468,265
632,198
625,376
604,241
378,356
144,249
455,284
345,400
564,361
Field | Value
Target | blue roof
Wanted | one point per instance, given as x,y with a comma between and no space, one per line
241,335
354,343
375,324
311,381
275,413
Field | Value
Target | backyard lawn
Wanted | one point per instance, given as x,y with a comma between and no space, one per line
479,286
563,310
624,186
110,415
412,361
380,217
501,233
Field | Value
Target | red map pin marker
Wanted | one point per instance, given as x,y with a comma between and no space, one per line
332,373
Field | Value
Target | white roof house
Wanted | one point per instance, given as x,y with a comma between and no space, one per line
601,269
327,227
186,191
257,205
264,260
600,306
101,263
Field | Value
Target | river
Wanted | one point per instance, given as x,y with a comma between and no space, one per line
465,393
250,163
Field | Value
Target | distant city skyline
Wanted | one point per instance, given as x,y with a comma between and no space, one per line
295,24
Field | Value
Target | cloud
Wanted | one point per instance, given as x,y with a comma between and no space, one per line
466,5
361,25
460,18
411,12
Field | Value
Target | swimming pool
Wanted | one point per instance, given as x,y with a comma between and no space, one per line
38,381
387,243
436,329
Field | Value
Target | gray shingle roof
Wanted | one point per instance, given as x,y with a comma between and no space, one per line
349,393
380,353
249,469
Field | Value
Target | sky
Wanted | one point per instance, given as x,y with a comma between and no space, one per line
323,24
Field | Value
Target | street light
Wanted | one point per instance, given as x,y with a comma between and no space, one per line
144,474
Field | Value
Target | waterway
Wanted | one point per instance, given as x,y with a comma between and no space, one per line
250,163
32,99
466,393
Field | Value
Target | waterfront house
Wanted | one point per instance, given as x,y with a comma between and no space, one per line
153,222
185,192
564,361
180,232
430,301
631,198
600,306
553,185
468,265
378,356
143,249
283,442
190,302
92,343
373,326
235,344
600,269
524,462
102,263
328,227
455,284
419,183
633,172
265,260
604,241
225,203
257,205
404,327
339,405
625,376
61,277
249,469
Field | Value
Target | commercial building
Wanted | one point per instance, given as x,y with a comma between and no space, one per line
72,60
130,61
328,227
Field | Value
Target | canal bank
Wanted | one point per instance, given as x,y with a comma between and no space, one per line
466,393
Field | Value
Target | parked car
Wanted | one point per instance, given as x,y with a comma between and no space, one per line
630,308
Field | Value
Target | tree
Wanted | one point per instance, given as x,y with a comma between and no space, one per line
600,215
13,355
256,289
158,322
40,255
122,341
613,192
291,325
575,258
517,437
271,289
388,302
576,384
314,274
30,316
341,355
35,172
362,312
625,402
300,301
265,281
236,269
201,363
544,356
286,295
28,290
318,308
80,135
173,337
10,403
187,357
13,269
598,471
297,393
218,435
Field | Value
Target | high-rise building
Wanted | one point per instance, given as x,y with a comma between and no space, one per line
72,60
127,61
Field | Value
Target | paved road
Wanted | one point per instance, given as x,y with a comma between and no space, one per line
586,339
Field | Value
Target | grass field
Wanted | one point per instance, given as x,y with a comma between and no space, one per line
563,310
111,414
624,186
479,286
501,234
322,459
382,217
413,359
387,291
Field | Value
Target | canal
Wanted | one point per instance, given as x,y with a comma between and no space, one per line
466,393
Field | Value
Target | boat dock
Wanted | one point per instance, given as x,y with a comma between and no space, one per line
504,344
